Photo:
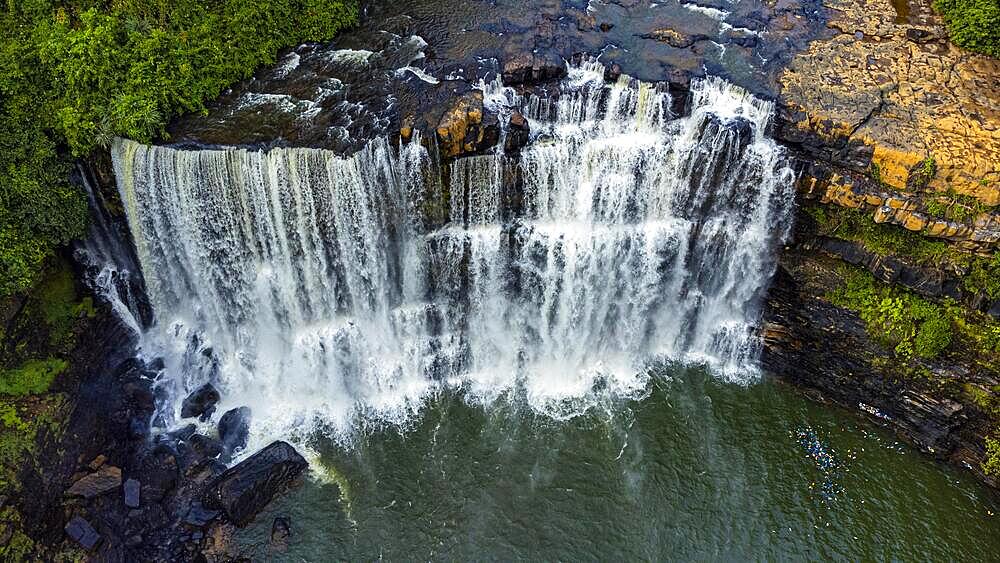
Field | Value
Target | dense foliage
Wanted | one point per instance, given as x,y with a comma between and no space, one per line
973,24
76,73
896,318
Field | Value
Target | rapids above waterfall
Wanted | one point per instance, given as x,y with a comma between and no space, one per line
311,287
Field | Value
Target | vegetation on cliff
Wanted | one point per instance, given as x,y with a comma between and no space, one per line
973,24
76,73
979,274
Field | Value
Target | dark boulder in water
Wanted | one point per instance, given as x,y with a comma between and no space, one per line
281,529
201,402
245,489
234,429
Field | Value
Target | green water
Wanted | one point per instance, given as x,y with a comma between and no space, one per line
697,470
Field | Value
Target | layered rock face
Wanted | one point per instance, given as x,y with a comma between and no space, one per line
889,98
898,132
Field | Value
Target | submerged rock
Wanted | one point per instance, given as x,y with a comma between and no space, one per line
105,479
245,489
201,402
281,530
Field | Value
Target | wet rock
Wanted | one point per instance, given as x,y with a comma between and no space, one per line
464,128
245,489
531,68
918,35
130,490
613,73
184,432
675,38
105,479
205,447
280,532
97,462
518,133
80,531
159,473
234,429
198,515
201,402
140,395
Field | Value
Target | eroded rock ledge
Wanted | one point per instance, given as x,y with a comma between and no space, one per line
894,117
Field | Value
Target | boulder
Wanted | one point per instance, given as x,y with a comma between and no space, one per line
159,472
245,489
518,133
280,531
529,68
234,429
80,531
201,402
130,491
204,447
199,516
105,479
465,128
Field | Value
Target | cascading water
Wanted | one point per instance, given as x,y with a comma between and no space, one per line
309,286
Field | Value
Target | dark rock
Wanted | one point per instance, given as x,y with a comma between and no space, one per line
184,432
205,447
280,532
140,395
612,73
198,515
918,35
131,492
234,429
530,68
159,473
245,489
606,27
105,479
82,533
518,133
97,462
201,402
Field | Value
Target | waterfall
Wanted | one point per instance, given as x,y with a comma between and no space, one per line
311,287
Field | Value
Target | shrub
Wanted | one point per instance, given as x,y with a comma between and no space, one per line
991,466
972,24
896,318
